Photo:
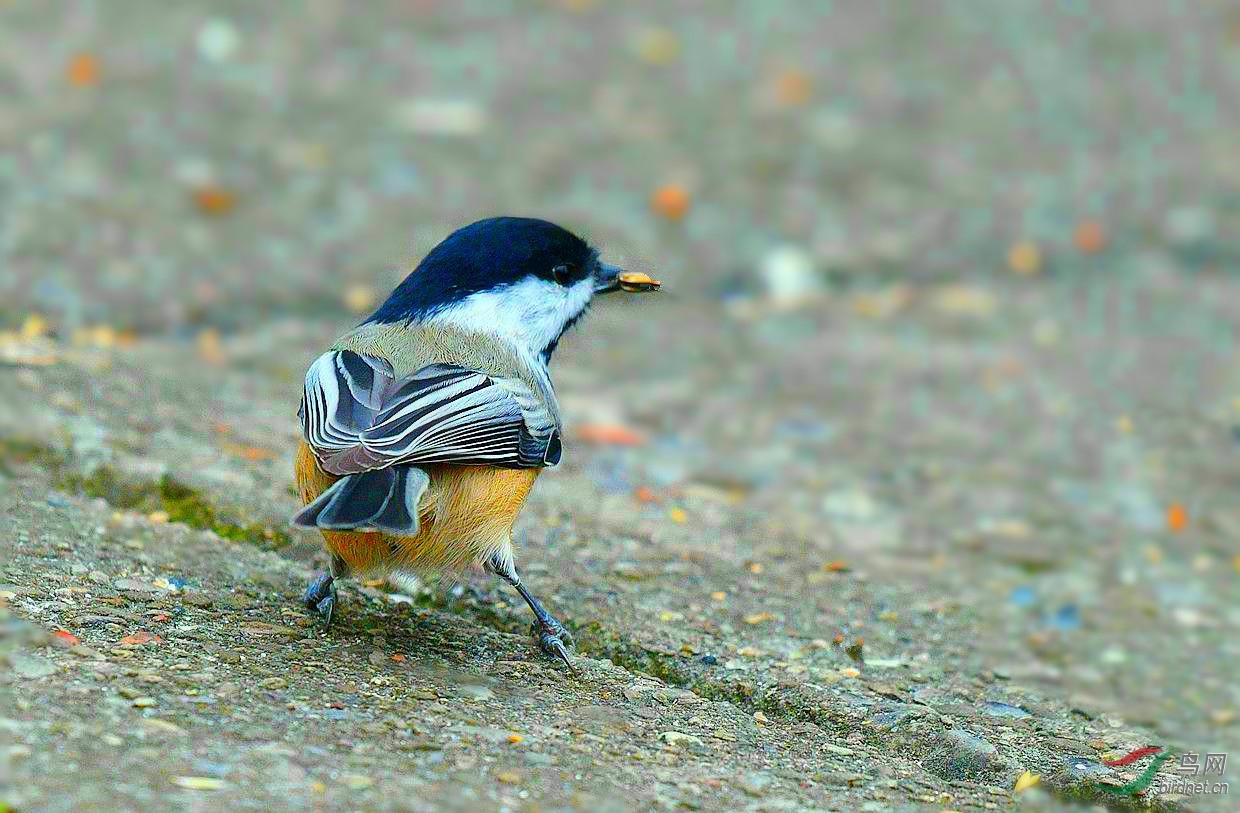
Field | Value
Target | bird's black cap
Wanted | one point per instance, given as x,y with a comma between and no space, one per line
486,255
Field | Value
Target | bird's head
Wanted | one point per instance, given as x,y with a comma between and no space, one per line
521,279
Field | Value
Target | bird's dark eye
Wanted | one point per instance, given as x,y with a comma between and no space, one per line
562,274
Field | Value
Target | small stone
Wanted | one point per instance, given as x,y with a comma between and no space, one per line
508,777
1024,258
443,117
145,702
198,782
32,666
996,709
965,301
790,276
274,683
1188,225
355,781
680,739
218,40
962,756
850,506
658,46
474,691
135,586
154,725
754,783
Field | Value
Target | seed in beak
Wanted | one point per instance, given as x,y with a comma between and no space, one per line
637,282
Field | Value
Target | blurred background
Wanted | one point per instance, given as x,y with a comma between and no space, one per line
173,164
946,358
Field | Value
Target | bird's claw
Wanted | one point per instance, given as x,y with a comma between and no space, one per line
320,598
555,641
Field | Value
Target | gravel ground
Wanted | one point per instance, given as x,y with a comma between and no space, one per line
921,474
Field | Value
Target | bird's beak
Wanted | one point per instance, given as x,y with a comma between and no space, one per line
610,278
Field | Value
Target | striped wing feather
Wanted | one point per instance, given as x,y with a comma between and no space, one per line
357,417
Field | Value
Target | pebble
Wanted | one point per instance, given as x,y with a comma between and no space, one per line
135,586
850,506
145,702
198,782
755,783
996,709
196,599
218,40
1189,224
274,683
789,275
32,666
443,117
962,756
679,738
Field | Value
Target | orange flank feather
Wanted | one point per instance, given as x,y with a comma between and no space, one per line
465,516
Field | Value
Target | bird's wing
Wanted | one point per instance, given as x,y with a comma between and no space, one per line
357,417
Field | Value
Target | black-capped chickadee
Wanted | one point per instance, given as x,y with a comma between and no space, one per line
425,427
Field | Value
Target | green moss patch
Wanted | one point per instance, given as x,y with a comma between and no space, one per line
182,503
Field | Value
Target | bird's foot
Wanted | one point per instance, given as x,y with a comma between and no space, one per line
554,639
320,597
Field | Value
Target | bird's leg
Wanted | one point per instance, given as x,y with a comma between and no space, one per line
552,636
320,595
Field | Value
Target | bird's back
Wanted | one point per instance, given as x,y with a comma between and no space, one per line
412,347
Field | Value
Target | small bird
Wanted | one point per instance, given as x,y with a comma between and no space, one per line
425,427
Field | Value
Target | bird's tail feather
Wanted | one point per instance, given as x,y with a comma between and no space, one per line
383,500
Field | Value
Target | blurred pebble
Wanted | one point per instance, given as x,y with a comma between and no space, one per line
198,782
1067,617
447,117
1006,710
657,46
854,506
962,756
1188,225
789,274
214,201
218,40
671,201
792,88
882,304
1024,258
964,300
1114,656
31,666
359,298
1023,596
1045,332
83,71
1089,237
194,172
1084,768
837,130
